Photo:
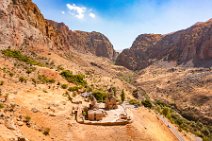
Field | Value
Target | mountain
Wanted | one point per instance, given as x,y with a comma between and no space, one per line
190,47
22,24
45,67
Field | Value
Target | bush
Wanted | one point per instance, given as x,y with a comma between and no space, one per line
30,70
1,83
76,79
19,56
134,102
64,86
27,119
44,79
11,74
114,91
122,96
100,95
147,103
1,106
22,79
75,88
46,131
88,89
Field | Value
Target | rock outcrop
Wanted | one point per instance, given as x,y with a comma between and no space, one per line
93,42
22,25
189,47
136,57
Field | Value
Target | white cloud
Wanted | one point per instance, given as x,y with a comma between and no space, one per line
77,11
92,15
63,12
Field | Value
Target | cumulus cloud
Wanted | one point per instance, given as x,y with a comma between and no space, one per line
77,11
80,12
92,15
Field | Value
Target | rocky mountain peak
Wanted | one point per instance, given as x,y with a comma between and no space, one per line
23,20
190,47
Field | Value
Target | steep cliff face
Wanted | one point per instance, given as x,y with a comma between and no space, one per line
190,47
136,57
23,25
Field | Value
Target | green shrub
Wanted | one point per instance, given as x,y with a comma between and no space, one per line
1,83
134,102
64,86
22,79
100,95
44,79
147,103
76,79
27,119
19,56
122,96
30,70
114,91
46,131
88,89
75,88
1,106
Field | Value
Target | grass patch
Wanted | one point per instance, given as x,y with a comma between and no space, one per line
76,79
44,79
21,57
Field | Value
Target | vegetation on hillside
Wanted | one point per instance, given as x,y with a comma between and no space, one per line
135,102
21,57
100,95
73,89
76,79
1,106
44,79
147,103
122,96
196,128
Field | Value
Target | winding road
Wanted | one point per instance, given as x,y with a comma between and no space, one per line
172,129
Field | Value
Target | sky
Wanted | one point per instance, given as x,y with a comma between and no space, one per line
123,20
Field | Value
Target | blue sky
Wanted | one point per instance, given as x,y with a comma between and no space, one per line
123,20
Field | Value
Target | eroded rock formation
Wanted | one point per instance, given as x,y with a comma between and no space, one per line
22,25
189,47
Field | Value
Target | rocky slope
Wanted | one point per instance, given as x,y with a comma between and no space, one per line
189,47
188,90
22,24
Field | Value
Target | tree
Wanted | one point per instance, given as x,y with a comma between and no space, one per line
122,96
